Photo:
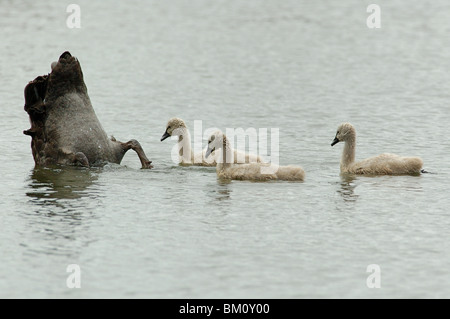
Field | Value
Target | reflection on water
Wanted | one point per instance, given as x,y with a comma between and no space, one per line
60,190
60,183
223,191
60,206
219,191
347,188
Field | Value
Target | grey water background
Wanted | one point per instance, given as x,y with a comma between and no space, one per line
178,232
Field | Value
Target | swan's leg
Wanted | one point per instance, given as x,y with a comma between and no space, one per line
135,146
80,158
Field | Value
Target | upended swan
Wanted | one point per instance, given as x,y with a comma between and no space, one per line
177,127
384,164
252,171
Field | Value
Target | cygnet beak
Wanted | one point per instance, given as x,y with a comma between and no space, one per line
208,152
335,141
165,135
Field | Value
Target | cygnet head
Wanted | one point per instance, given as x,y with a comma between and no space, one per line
173,128
215,142
344,132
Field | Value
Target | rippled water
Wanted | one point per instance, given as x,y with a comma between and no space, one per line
177,232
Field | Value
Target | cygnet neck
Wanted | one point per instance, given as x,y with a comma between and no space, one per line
227,155
184,145
348,154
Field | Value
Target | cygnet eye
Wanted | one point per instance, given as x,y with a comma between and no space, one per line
168,127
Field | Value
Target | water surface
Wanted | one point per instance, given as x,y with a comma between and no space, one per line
178,232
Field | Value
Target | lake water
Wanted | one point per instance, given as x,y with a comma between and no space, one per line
302,67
